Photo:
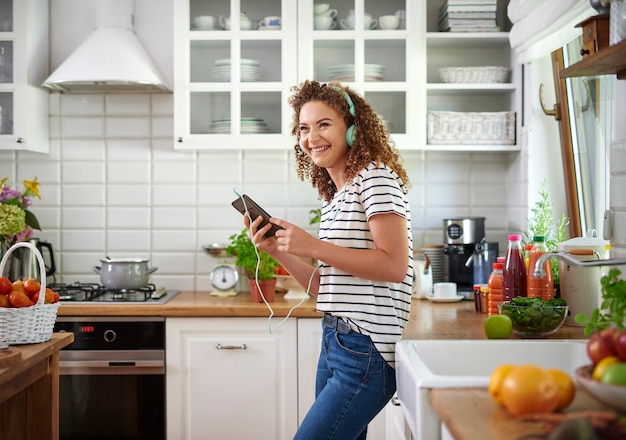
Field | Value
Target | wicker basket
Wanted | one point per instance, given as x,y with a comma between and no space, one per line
446,128
28,325
482,74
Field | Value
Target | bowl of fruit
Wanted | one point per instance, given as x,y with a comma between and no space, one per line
533,317
605,378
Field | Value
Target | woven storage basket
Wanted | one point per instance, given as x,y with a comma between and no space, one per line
497,128
482,74
28,325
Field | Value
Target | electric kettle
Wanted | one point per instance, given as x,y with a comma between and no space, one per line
23,264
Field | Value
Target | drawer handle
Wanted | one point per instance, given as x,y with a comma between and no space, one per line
231,347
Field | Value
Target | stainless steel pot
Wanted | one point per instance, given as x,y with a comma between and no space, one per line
124,273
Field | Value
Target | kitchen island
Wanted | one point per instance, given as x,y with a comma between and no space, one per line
29,390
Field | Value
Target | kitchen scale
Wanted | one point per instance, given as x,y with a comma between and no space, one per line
224,277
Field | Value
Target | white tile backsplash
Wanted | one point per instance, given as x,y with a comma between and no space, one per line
114,185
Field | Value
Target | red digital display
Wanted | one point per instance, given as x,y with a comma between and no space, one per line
87,329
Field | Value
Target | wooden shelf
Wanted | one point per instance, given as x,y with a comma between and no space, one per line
611,60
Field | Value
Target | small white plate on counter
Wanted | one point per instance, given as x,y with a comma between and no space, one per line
445,300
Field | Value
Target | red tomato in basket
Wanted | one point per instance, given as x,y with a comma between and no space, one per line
4,301
48,299
19,299
31,286
5,286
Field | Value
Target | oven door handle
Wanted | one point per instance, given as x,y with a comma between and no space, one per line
111,363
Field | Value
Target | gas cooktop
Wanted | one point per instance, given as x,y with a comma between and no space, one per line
90,293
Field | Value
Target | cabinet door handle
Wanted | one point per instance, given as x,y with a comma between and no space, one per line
395,401
231,347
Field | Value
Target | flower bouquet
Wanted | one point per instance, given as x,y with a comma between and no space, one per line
17,222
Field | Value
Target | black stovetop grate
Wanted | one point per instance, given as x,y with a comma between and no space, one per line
78,291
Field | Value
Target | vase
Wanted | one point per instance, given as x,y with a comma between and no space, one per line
268,287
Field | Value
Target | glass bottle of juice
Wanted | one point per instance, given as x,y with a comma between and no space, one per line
514,273
495,289
539,287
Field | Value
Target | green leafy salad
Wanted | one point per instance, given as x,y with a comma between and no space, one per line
535,316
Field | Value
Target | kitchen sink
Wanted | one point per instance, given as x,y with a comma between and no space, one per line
425,364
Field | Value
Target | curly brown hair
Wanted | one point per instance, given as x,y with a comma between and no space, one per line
371,143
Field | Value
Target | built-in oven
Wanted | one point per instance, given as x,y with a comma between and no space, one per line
112,378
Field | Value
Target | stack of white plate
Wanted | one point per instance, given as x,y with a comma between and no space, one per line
248,126
345,72
438,262
250,70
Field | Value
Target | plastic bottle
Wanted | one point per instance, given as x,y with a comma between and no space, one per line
539,287
514,273
495,289
527,248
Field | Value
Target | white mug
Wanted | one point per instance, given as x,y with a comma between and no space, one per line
332,13
323,23
444,290
388,22
225,22
270,22
204,22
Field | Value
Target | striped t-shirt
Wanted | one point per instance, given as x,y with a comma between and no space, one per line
374,308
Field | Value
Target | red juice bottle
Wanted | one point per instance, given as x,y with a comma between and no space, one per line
514,273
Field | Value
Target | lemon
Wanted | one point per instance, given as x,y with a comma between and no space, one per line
601,367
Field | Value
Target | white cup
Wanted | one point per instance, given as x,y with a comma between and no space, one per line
388,22
225,22
332,13
204,22
323,23
368,22
273,22
444,290
319,8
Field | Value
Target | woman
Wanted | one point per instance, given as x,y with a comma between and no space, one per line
365,271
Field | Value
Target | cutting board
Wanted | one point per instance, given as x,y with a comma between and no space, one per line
9,356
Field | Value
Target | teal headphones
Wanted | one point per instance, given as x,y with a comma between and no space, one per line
351,131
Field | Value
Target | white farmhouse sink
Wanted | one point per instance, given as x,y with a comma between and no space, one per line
425,364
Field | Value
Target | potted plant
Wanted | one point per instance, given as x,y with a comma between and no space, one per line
258,266
542,222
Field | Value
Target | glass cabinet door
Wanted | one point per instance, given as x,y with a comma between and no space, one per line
364,44
6,67
236,73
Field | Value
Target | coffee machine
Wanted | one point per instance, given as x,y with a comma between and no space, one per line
468,253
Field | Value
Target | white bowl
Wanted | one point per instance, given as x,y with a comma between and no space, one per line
613,396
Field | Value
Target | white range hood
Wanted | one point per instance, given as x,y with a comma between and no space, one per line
111,59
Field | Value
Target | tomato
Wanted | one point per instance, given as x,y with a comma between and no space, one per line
19,286
19,299
55,297
48,299
529,389
4,301
31,286
565,385
5,286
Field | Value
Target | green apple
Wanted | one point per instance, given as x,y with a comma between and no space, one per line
498,327
615,374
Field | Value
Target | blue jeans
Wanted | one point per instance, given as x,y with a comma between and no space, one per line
353,384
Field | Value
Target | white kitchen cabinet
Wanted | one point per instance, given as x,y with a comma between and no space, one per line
467,49
382,65
219,104
231,378
219,107
23,68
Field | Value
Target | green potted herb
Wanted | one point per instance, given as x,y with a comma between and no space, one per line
542,222
242,247
612,310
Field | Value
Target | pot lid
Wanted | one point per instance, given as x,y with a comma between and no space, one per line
590,240
123,260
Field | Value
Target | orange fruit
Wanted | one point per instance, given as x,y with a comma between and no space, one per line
565,385
529,389
495,381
